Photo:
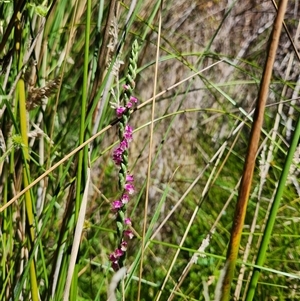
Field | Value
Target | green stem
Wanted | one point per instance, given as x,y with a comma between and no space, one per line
28,200
26,176
83,108
82,163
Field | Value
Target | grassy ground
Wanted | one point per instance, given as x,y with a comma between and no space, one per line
185,77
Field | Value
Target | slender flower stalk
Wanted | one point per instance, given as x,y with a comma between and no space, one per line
120,157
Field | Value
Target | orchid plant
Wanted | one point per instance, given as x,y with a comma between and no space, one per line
123,107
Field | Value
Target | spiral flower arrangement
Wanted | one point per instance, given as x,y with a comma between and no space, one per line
120,157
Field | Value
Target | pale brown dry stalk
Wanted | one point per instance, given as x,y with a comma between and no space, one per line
264,170
102,58
245,187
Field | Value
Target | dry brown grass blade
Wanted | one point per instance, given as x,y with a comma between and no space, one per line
241,206
288,34
101,65
19,7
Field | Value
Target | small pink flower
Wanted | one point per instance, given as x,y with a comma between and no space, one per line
114,263
124,246
117,155
127,221
125,198
118,252
128,129
129,234
129,188
115,266
112,257
124,144
129,178
128,133
129,105
128,137
126,87
117,204
120,111
133,99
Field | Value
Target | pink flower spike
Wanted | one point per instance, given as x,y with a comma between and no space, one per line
129,178
125,198
117,204
129,234
120,111
133,99
127,221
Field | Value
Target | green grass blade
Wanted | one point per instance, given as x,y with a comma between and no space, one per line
273,213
